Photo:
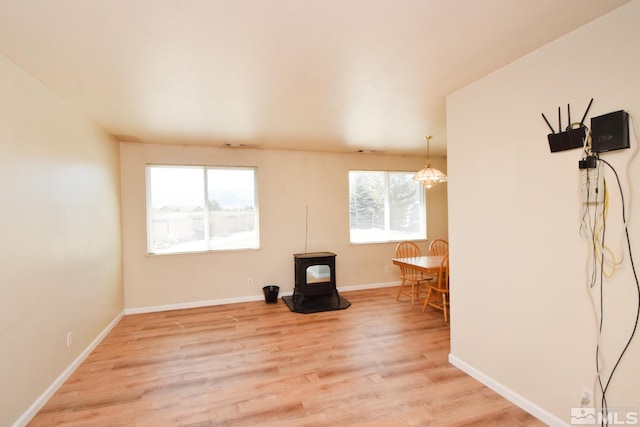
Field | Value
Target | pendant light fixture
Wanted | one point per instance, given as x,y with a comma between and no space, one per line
429,176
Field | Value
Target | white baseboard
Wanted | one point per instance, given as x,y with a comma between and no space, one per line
535,410
368,286
55,385
207,303
194,304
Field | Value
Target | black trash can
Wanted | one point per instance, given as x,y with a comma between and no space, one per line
271,294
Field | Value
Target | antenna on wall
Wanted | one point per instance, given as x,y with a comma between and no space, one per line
306,227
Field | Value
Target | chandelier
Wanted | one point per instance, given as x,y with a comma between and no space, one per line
429,176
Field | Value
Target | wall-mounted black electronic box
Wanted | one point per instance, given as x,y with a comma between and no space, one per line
610,132
572,138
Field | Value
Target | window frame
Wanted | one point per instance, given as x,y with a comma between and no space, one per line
206,242
389,234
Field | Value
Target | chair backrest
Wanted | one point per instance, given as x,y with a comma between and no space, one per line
438,247
407,250
443,274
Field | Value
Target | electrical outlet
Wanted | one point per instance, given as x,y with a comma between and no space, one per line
586,398
69,338
386,268
592,185
249,281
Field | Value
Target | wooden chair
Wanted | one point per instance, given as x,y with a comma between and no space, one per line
409,276
438,247
438,291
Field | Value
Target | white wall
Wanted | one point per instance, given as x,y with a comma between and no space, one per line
61,247
522,318
288,183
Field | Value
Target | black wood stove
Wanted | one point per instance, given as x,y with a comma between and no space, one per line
315,275
315,284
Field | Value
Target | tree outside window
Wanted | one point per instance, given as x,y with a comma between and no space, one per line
385,206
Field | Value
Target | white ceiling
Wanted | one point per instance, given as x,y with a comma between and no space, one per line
323,75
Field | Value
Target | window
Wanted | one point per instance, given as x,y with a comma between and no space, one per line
201,208
386,207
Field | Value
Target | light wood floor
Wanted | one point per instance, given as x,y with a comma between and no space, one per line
377,363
